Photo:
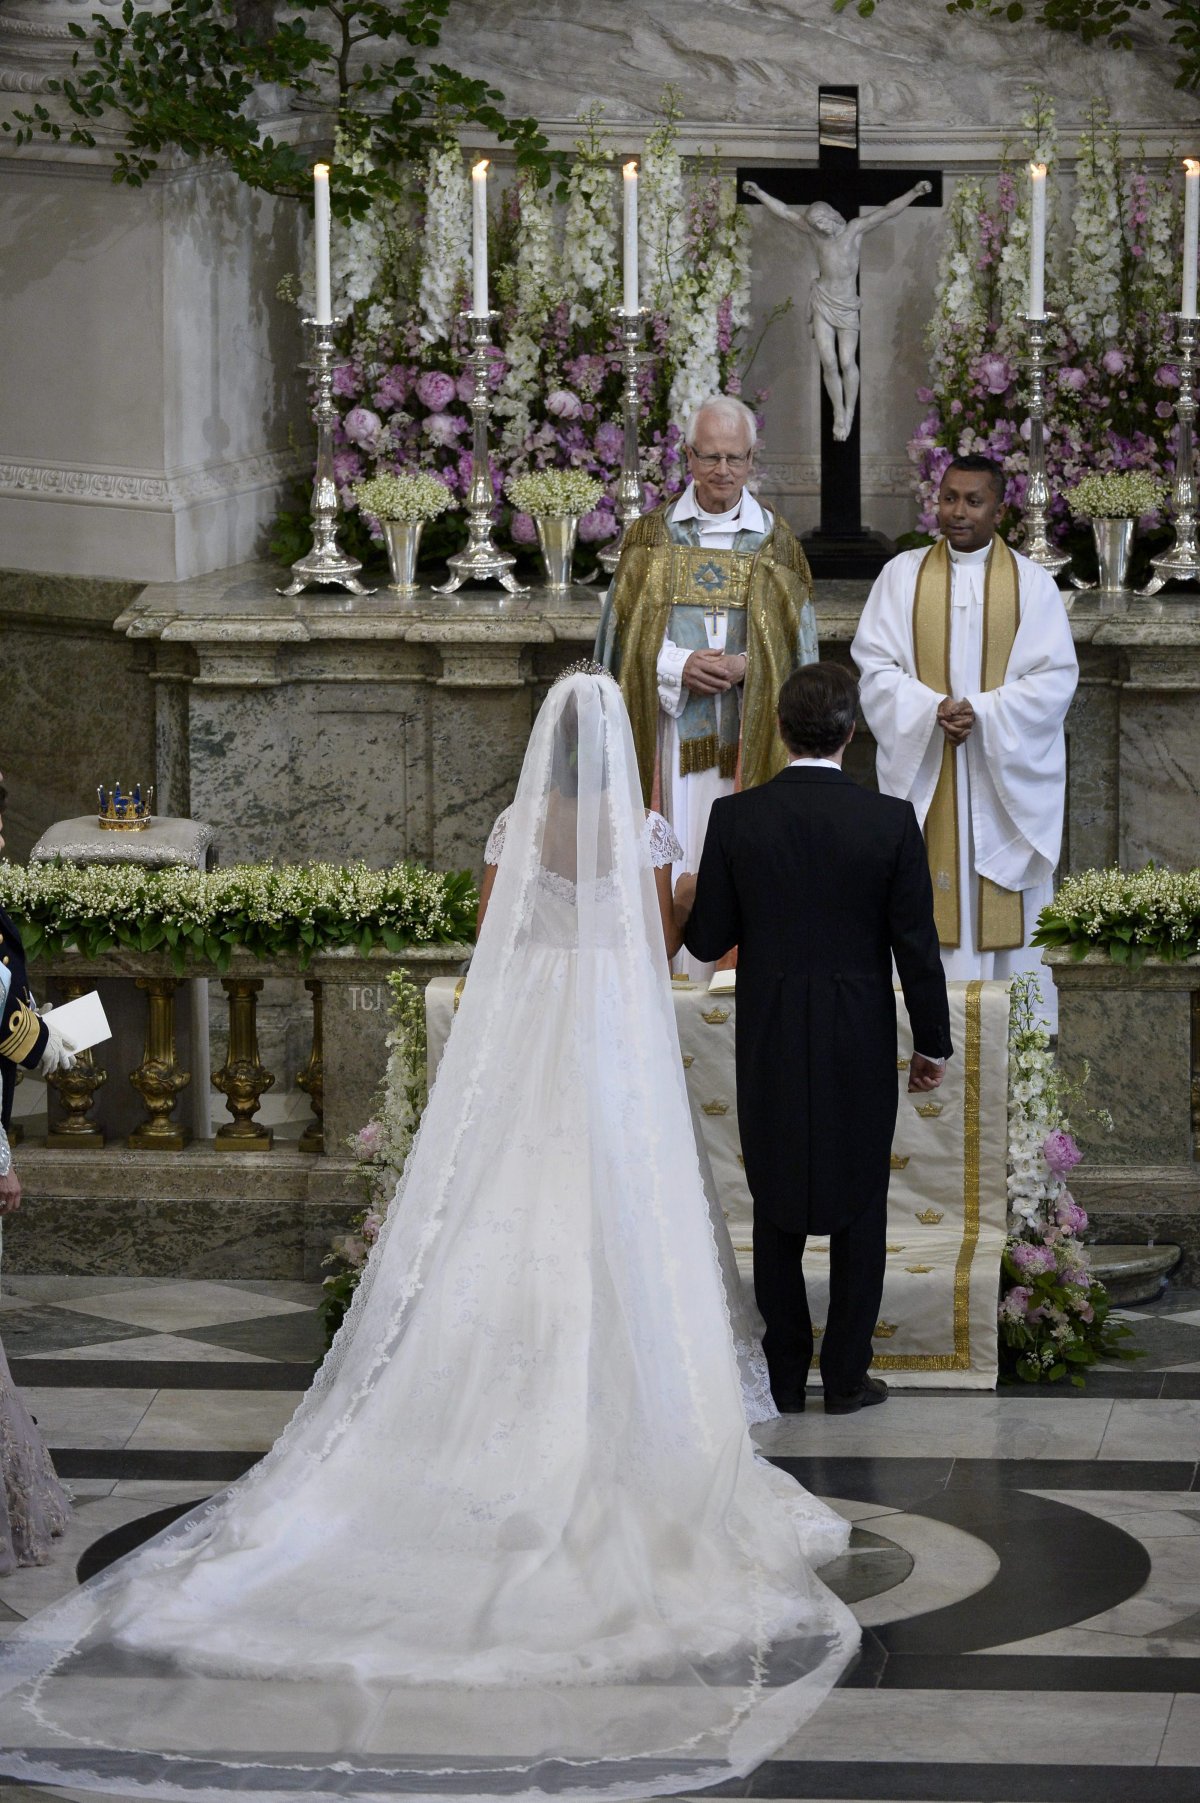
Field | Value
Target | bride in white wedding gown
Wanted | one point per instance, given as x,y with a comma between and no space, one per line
516,1541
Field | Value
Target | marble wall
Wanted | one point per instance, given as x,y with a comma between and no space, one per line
79,701
150,429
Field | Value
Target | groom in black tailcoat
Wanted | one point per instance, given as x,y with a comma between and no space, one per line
820,884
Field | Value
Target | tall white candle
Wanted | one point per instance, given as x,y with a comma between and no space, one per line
321,211
630,172
1037,241
479,248
1191,221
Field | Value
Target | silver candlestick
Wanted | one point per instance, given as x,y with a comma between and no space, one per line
326,563
481,559
1181,563
631,490
1037,496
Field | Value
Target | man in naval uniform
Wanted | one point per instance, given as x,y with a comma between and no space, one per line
709,611
25,1039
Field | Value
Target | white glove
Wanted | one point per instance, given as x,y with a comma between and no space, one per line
59,1054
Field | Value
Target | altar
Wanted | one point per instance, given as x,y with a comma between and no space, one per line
947,1201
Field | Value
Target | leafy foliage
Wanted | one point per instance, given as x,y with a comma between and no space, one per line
189,78
1130,914
1030,1347
381,1148
1092,21
269,910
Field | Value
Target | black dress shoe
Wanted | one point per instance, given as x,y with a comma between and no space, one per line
790,1402
869,1392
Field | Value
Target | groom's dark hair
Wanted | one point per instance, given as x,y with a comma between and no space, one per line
817,706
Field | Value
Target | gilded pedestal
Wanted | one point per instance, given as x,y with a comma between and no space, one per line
76,1090
158,1079
243,1077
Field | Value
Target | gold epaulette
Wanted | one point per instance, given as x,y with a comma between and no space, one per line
648,529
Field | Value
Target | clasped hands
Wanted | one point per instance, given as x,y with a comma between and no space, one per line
712,672
956,718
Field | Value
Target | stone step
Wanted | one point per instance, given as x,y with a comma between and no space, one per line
1134,1273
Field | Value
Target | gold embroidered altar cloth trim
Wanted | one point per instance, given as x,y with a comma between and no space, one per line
947,1201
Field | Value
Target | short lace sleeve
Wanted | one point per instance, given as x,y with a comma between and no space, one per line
495,844
664,846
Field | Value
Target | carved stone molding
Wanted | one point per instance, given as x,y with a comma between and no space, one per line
36,42
802,475
145,488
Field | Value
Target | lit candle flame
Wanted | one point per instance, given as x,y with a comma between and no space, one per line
1038,171
629,170
479,167
1191,165
321,171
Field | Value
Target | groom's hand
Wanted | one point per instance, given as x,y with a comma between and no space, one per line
924,1073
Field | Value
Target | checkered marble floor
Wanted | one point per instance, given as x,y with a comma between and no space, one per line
1025,1565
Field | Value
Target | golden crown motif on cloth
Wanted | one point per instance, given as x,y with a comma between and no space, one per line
900,1160
928,1111
884,1330
918,1270
125,811
930,1216
715,1107
716,1017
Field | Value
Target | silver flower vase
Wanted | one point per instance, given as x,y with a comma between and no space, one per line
403,542
556,536
1114,543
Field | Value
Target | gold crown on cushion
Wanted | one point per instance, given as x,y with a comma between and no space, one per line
124,810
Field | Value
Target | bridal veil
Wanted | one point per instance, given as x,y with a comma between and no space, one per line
515,1541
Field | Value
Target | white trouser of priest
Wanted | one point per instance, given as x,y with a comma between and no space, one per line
1010,773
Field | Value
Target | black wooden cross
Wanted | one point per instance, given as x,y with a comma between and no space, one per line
842,545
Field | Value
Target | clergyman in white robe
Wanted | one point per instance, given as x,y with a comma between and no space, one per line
1010,773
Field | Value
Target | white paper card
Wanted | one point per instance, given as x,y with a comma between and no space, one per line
82,1021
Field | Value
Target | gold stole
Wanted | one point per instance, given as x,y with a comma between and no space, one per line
1001,911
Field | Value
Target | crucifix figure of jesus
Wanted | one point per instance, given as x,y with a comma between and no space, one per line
833,302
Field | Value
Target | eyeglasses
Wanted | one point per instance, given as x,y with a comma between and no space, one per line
708,460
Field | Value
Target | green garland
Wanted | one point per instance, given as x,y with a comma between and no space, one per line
1130,914
268,910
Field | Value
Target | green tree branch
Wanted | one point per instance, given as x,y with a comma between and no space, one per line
186,79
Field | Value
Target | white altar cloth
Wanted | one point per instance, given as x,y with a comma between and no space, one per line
947,1203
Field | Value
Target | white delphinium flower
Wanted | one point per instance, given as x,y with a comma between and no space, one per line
697,363
537,290
446,241
1156,274
590,229
661,207
1091,313
956,323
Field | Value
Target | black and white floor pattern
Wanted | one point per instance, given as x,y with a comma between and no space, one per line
1026,1566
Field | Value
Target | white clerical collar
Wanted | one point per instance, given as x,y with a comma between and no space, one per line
747,516
970,557
821,763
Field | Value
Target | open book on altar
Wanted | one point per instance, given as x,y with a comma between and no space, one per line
723,982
